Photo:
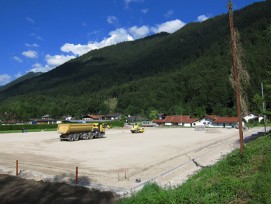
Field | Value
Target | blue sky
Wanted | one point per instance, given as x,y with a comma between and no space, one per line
39,35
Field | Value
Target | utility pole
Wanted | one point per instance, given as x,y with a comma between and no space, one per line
264,118
235,71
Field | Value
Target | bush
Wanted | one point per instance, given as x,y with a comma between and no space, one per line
115,123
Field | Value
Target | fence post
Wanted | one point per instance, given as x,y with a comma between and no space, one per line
17,168
76,176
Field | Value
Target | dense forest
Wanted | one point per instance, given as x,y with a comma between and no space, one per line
186,72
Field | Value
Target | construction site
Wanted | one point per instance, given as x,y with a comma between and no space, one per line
120,161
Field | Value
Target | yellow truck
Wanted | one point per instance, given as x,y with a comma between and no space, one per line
85,131
137,129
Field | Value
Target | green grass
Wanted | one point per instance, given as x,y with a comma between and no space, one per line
27,126
30,130
115,123
235,179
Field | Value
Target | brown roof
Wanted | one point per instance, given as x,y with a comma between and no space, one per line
158,121
180,119
226,120
176,118
93,116
213,117
191,120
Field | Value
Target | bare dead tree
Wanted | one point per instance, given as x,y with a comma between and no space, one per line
243,76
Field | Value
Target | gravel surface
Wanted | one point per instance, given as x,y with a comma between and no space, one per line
121,162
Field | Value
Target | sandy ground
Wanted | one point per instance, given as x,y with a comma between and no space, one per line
121,162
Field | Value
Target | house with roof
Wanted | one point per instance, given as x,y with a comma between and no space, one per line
228,122
191,122
43,120
252,117
46,117
112,116
175,119
162,116
178,120
159,122
136,118
208,120
89,117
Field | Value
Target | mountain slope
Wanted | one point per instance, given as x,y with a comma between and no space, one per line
29,75
184,72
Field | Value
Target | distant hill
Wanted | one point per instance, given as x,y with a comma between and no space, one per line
186,72
29,75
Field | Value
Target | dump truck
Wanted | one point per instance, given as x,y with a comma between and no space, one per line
137,129
86,131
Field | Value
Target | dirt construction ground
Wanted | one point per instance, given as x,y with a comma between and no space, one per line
121,162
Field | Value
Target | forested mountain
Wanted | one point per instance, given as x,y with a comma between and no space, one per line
185,72
29,75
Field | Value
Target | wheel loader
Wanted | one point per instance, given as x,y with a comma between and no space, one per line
137,129
86,131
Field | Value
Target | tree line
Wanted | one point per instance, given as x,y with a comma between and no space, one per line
186,72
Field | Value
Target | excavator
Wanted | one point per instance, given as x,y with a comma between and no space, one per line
137,129
86,131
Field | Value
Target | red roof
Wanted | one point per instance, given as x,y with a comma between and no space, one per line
180,119
158,121
226,120
213,117
191,120
176,118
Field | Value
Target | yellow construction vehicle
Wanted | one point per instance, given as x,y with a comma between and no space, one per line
137,129
85,131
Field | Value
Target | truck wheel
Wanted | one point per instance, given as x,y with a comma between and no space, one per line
100,135
76,137
70,138
92,136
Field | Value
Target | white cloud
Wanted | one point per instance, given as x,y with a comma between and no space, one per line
4,79
40,68
145,11
139,32
116,36
18,59
52,61
30,54
78,49
169,26
30,20
56,60
112,20
34,35
169,13
202,18
127,2
19,74
121,35
130,1
31,45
